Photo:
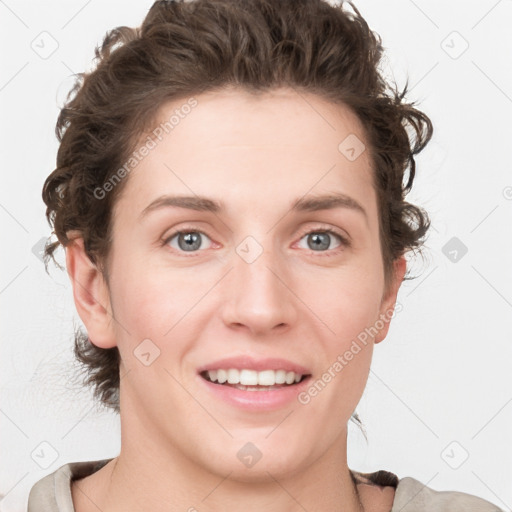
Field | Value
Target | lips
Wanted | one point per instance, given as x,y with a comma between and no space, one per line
254,384
258,365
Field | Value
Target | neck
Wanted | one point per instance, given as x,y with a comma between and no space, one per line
153,474
140,478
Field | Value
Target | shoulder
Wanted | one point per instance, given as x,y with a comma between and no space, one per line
53,492
412,495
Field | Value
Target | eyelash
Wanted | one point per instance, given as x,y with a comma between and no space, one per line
344,242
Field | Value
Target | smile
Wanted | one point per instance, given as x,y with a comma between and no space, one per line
251,384
252,380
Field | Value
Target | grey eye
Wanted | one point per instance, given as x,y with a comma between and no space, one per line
187,240
321,240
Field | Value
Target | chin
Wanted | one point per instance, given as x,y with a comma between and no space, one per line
254,458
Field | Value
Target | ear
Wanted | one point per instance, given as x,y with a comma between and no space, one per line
388,304
91,295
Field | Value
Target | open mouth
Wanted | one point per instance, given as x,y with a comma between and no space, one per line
251,380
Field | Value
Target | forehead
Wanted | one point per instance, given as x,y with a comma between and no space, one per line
243,148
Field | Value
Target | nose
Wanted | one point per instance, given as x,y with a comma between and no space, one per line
257,296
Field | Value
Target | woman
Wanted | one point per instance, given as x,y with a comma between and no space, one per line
230,190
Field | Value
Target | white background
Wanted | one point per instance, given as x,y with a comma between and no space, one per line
443,376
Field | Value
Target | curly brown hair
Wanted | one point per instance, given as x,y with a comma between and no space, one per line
184,48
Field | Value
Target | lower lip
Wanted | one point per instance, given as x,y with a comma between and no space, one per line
270,400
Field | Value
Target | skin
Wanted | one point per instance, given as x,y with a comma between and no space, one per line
179,445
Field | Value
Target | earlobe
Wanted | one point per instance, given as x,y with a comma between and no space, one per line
388,304
90,293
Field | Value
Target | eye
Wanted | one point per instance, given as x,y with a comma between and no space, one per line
188,241
320,240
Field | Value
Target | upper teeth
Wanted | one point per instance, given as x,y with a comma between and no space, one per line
253,378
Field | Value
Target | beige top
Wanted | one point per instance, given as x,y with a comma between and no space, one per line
53,492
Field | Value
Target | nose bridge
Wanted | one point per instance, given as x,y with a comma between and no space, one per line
258,297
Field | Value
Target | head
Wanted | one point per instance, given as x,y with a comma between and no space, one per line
253,110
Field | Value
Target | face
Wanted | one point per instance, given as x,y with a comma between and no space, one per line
256,270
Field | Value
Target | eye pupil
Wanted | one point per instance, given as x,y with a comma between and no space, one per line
320,241
192,241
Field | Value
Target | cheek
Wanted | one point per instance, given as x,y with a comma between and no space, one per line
345,301
347,315
151,300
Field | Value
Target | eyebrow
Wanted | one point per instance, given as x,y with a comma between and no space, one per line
328,202
204,204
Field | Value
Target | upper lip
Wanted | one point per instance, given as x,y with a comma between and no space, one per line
250,363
